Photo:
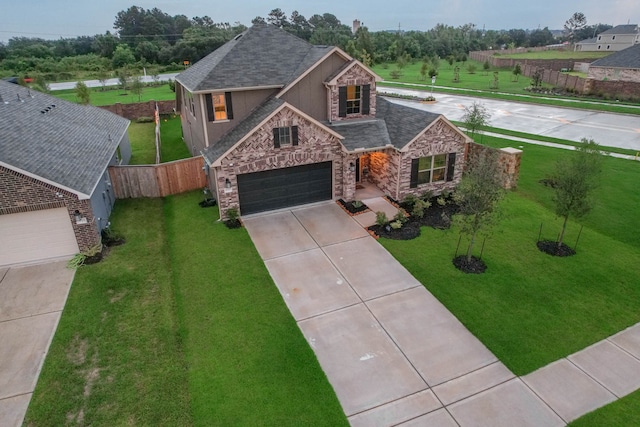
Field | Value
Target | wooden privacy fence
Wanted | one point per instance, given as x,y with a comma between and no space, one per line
130,182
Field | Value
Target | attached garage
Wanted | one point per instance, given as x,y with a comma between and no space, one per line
35,236
283,188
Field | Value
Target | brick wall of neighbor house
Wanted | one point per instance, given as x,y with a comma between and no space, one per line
20,193
623,74
509,158
357,76
258,154
140,109
440,138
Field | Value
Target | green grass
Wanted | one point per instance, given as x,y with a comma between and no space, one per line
529,308
142,139
556,54
112,96
182,325
476,81
116,358
248,362
622,412
478,85
173,147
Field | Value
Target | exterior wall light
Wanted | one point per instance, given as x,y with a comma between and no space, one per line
352,167
227,184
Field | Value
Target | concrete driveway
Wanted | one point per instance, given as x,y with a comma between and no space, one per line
31,302
392,352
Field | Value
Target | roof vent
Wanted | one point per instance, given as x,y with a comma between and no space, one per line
238,37
19,99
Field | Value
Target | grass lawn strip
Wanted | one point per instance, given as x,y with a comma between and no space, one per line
111,96
249,364
116,358
622,412
142,139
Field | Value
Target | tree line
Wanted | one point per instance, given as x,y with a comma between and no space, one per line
152,38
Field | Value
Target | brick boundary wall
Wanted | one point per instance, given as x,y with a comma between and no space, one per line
509,158
140,109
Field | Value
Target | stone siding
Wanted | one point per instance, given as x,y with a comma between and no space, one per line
354,76
257,154
20,193
509,158
440,138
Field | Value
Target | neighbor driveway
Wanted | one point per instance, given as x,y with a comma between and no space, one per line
392,352
31,303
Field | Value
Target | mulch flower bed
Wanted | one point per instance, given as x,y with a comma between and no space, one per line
472,266
233,223
550,247
410,230
436,216
352,210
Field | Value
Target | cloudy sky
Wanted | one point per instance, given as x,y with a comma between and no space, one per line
70,18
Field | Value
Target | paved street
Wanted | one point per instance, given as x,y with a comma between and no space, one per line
607,129
109,82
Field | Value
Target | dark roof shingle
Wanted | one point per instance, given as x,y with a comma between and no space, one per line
65,143
626,58
403,123
622,29
263,55
365,134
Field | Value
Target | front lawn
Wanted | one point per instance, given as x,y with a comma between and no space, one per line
182,325
249,364
530,308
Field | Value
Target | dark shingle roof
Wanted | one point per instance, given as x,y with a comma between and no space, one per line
68,144
394,124
213,152
622,29
264,55
592,40
626,58
362,134
403,123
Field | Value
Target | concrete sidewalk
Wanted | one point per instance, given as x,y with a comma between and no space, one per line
396,356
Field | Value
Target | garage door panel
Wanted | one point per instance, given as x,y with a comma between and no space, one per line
33,236
281,188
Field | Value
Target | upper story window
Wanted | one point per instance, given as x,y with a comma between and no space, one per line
353,99
219,107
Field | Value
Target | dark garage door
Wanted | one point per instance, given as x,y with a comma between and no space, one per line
282,188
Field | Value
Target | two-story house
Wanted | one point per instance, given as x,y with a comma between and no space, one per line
281,122
614,39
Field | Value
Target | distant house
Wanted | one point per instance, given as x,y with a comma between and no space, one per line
55,194
621,66
615,39
281,122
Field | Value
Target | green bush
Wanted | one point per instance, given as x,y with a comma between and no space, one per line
401,216
381,218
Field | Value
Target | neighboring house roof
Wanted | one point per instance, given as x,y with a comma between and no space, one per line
403,123
592,40
622,29
262,56
626,58
66,144
363,134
